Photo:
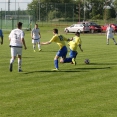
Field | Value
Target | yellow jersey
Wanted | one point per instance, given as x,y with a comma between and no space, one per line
74,43
59,40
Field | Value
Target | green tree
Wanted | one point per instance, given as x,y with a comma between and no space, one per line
109,11
96,11
115,7
79,11
51,7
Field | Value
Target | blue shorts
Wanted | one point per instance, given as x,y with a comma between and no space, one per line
62,52
73,54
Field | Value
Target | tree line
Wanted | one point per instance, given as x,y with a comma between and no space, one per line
69,10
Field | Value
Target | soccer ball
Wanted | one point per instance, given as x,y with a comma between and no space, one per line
87,61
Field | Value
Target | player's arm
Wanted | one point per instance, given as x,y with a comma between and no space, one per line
40,34
45,43
113,31
9,39
70,39
32,34
10,35
23,41
80,47
48,42
106,31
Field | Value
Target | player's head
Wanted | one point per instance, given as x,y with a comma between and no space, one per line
77,33
109,25
19,25
36,25
55,31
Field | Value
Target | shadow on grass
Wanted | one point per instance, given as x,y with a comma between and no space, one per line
102,64
93,68
50,71
68,70
28,57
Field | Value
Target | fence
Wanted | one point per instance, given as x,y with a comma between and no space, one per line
42,13
49,13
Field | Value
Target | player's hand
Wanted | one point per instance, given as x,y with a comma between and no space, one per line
81,50
1,42
25,47
71,38
41,43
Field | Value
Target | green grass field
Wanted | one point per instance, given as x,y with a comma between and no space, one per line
74,91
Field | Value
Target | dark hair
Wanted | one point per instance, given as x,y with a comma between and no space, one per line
19,24
77,33
36,24
55,31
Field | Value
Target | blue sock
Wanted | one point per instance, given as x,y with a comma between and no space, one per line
56,63
68,60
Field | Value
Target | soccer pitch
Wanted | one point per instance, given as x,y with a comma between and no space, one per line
74,91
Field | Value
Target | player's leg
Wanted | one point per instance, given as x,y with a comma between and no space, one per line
34,45
114,41
19,63
66,60
73,55
61,53
107,41
39,45
69,59
56,62
13,56
19,59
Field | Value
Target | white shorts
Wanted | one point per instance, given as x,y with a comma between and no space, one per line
110,36
34,41
16,51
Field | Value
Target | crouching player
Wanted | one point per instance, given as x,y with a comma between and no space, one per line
73,49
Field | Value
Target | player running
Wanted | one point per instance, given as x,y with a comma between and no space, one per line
62,52
73,49
16,38
35,35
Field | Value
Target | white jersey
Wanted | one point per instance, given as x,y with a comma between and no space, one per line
35,33
109,31
16,36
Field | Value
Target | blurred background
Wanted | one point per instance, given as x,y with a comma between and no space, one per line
56,12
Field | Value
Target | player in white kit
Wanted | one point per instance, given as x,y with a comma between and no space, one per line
35,35
109,33
16,38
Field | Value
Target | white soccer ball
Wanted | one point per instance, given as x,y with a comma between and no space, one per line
87,61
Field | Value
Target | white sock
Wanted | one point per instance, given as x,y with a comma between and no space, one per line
11,60
39,46
34,47
114,40
19,63
107,41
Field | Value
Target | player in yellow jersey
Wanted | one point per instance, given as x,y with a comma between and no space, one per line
60,41
73,48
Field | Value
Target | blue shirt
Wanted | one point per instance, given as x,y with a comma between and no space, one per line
1,34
